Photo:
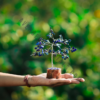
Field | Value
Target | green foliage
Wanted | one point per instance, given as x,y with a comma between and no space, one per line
74,19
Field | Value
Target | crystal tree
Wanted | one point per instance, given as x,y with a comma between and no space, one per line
40,51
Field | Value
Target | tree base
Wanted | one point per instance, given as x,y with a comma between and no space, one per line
54,73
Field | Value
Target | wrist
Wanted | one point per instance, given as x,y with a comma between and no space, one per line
26,80
31,80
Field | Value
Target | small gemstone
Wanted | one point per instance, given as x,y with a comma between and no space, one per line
40,42
37,43
42,51
46,53
69,40
62,57
67,51
38,49
67,43
41,38
58,51
50,51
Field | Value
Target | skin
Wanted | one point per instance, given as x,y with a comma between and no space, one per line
38,80
41,80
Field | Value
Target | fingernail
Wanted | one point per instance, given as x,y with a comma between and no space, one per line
83,79
72,74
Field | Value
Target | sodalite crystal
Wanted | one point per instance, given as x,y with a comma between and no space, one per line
40,51
54,73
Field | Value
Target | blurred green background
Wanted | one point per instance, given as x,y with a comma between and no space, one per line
78,20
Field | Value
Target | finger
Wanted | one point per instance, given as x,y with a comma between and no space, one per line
64,81
77,79
67,82
80,79
59,81
58,84
74,81
67,75
55,85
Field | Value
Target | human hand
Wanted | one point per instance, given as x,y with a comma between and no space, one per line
41,80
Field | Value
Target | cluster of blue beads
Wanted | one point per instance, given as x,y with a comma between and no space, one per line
40,51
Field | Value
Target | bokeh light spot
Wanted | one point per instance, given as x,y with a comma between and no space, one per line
97,13
49,93
96,92
30,37
56,28
45,27
1,60
20,33
6,39
89,72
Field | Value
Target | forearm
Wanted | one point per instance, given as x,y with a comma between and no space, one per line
11,80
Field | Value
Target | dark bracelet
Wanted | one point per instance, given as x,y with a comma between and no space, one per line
26,80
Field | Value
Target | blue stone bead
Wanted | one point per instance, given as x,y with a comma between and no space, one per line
69,40
62,54
41,47
62,57
48,35
58,40
40,55
67,43
73,47
67,51
49,51
35,47
46,53
37,43
73,50
42,51
41,38
53,51
66,58
60,49
38,49
53,33
57,68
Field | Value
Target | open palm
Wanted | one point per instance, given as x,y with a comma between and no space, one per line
41,80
